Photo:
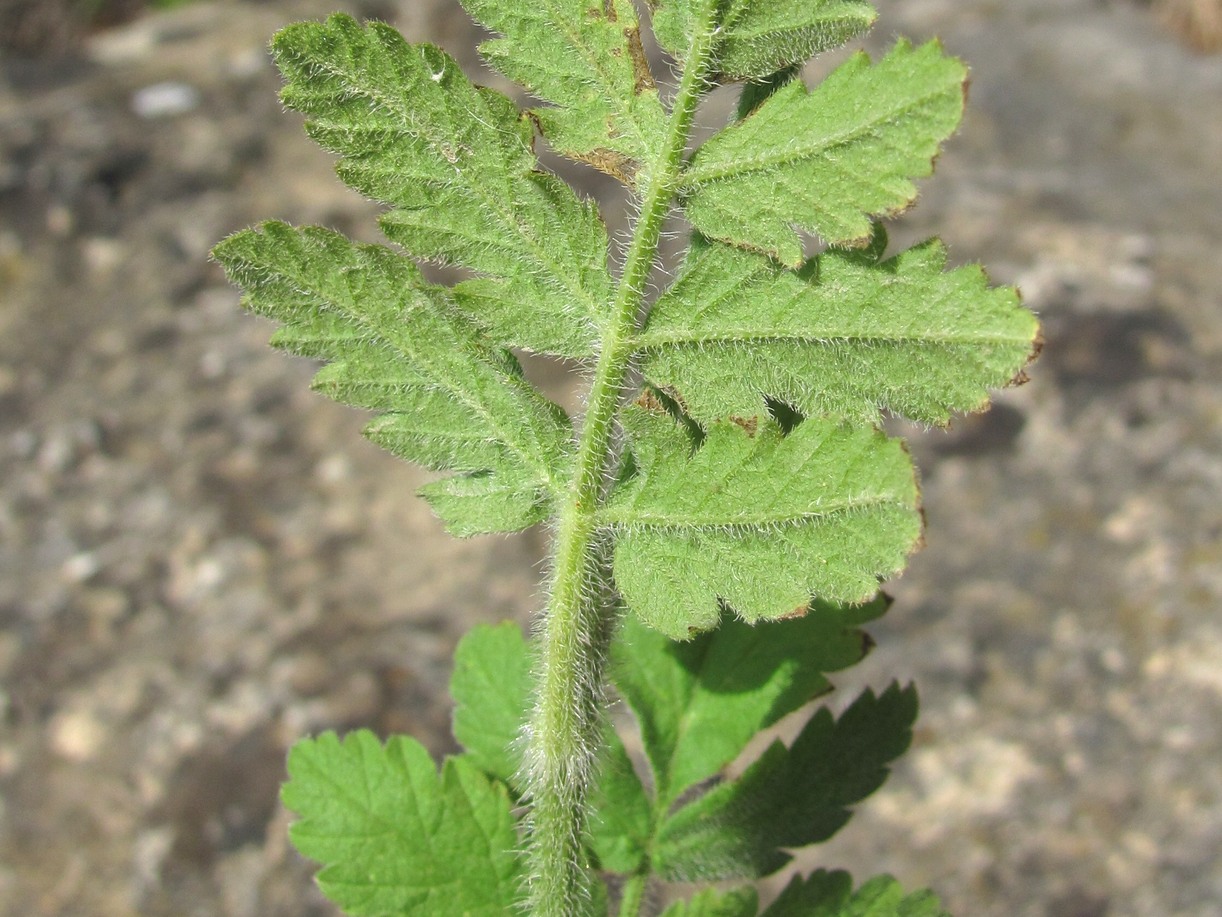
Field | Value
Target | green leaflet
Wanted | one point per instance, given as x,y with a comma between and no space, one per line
622,822
491,691
821,894
789,797
398,346
757,520
847,335
586,58
829,159
764,37
397,838
830,894
456,164
740,902
758,38
699,703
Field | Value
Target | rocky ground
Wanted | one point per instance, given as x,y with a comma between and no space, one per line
201,561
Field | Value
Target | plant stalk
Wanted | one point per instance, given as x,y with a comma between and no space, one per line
563,733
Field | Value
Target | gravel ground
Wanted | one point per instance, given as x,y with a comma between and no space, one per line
201,561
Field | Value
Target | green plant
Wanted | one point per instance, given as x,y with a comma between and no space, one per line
729,469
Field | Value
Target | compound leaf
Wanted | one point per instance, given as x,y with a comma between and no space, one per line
397,345
830,894
829,159
456,164
395,837
846,335
789,797
491,691
586,58
699,703
756,519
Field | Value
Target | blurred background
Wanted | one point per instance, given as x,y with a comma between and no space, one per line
201,561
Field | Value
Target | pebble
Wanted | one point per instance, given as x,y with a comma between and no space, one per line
165,100
80,567
76,735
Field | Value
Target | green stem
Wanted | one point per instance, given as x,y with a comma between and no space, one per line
632,896
564,727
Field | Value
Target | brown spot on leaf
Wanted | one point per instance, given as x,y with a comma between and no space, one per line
750,424
538,125
674,396
609,10
643,77
609,162
1037,345
649,400
799,612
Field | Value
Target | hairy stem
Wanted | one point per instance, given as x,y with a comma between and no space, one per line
564,727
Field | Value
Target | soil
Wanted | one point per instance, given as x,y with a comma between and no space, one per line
201,561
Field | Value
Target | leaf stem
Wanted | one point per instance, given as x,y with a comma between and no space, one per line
562,737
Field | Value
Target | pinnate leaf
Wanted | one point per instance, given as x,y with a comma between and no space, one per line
588,61
699,703
829,159
398,345
456,164
789,797
756,519
830,894
846,335
394,836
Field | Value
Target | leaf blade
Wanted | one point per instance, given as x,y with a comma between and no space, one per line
456,165
491,691
790,797
738,902
699,703
759,39
622,823
829,159
397,837
758,520
588,61
848,335
451,402
830,894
